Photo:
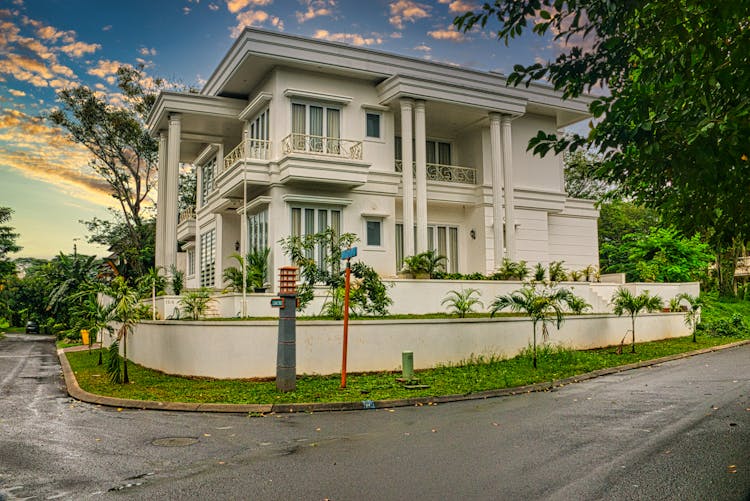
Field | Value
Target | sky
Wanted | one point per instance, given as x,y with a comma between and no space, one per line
48,45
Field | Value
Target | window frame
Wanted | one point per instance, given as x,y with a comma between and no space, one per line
366,221
378,114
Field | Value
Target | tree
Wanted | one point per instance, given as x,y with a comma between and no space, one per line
7,244
625,301
124,154
580,176
462,302
545,305
674,130
617,219
662,255
693,314
127,310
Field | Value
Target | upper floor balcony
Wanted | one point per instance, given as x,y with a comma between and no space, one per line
445,173
186,225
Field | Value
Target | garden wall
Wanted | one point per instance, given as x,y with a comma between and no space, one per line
245,349
424,296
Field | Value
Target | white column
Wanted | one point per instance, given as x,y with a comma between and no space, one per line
420,154
510,218
172,178
497,187
407,176
161,189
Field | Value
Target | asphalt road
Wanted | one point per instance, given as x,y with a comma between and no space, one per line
680,430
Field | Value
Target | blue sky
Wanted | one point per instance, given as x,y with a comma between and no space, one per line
46,45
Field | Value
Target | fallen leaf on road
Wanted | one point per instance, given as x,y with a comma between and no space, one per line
119,409
206,434
434,430
495,424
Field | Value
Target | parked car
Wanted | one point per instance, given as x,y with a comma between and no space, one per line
32,327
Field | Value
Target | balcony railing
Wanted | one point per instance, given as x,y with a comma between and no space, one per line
445,173
250,149
320,145
186,215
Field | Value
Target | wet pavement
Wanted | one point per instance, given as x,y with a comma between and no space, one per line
679,430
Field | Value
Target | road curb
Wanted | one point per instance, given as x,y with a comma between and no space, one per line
75,391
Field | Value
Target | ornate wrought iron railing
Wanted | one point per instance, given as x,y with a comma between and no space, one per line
186,215
445,173
320,145
254,149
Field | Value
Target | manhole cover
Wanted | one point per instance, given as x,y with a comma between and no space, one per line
175,441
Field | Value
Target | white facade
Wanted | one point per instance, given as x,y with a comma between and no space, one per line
291,135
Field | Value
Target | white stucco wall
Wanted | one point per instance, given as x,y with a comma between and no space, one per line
248,349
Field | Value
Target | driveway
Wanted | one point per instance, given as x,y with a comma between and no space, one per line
680,430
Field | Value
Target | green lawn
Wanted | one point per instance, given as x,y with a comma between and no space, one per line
474,376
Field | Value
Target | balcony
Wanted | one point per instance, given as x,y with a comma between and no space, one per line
250,149
186,225
445,173
322,160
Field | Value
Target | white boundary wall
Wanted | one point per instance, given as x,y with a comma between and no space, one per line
244,349
424,296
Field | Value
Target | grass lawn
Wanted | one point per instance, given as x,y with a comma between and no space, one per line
473,376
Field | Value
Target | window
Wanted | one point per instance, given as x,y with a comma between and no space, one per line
321,123
257,231
190,262
441,239
437,152
258,135
207,180
373,233
208,258
309,221
372,121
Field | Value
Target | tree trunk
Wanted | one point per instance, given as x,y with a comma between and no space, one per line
125,358
534,357
632,320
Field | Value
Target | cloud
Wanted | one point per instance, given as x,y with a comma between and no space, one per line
315,8
145,51
107,28
255,18
235,6
422,47
17,93
78,49
407,10
213,7
105,68
449,33
350,38
460,6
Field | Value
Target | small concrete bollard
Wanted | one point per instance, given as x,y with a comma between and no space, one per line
407,365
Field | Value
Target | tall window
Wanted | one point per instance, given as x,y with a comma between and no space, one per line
441,239
190,262
208,258
258,135
372,124
321,123
257,231
309,220
207,179
437,152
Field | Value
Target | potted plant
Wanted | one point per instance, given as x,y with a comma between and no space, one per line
424,264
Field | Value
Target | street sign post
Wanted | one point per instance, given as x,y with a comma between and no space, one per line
347,254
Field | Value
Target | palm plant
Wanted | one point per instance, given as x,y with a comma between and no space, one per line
154,281
557,271
575,275
693,314
539,272
91,314
177,280
195,303
544,305
462,302
427,263
126,311
589,272
626,302
578,305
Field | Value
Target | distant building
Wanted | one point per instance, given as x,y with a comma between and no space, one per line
292,135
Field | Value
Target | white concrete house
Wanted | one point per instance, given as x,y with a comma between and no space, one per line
291,135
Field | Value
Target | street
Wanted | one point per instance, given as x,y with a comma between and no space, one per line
680,430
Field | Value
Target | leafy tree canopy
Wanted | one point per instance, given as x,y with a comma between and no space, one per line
675,130
7,243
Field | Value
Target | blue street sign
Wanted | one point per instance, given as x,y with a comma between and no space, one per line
277,302
349,253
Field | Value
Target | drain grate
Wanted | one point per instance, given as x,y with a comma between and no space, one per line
174,441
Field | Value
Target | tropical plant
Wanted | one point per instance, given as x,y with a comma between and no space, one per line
195,303
575,275
425,263
539,272
557,271
626,302
545,305
8,243
589,273
154,282
462,302
578,305
693,313
511,270
176,280
257,267
126,311
93,315
674,304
